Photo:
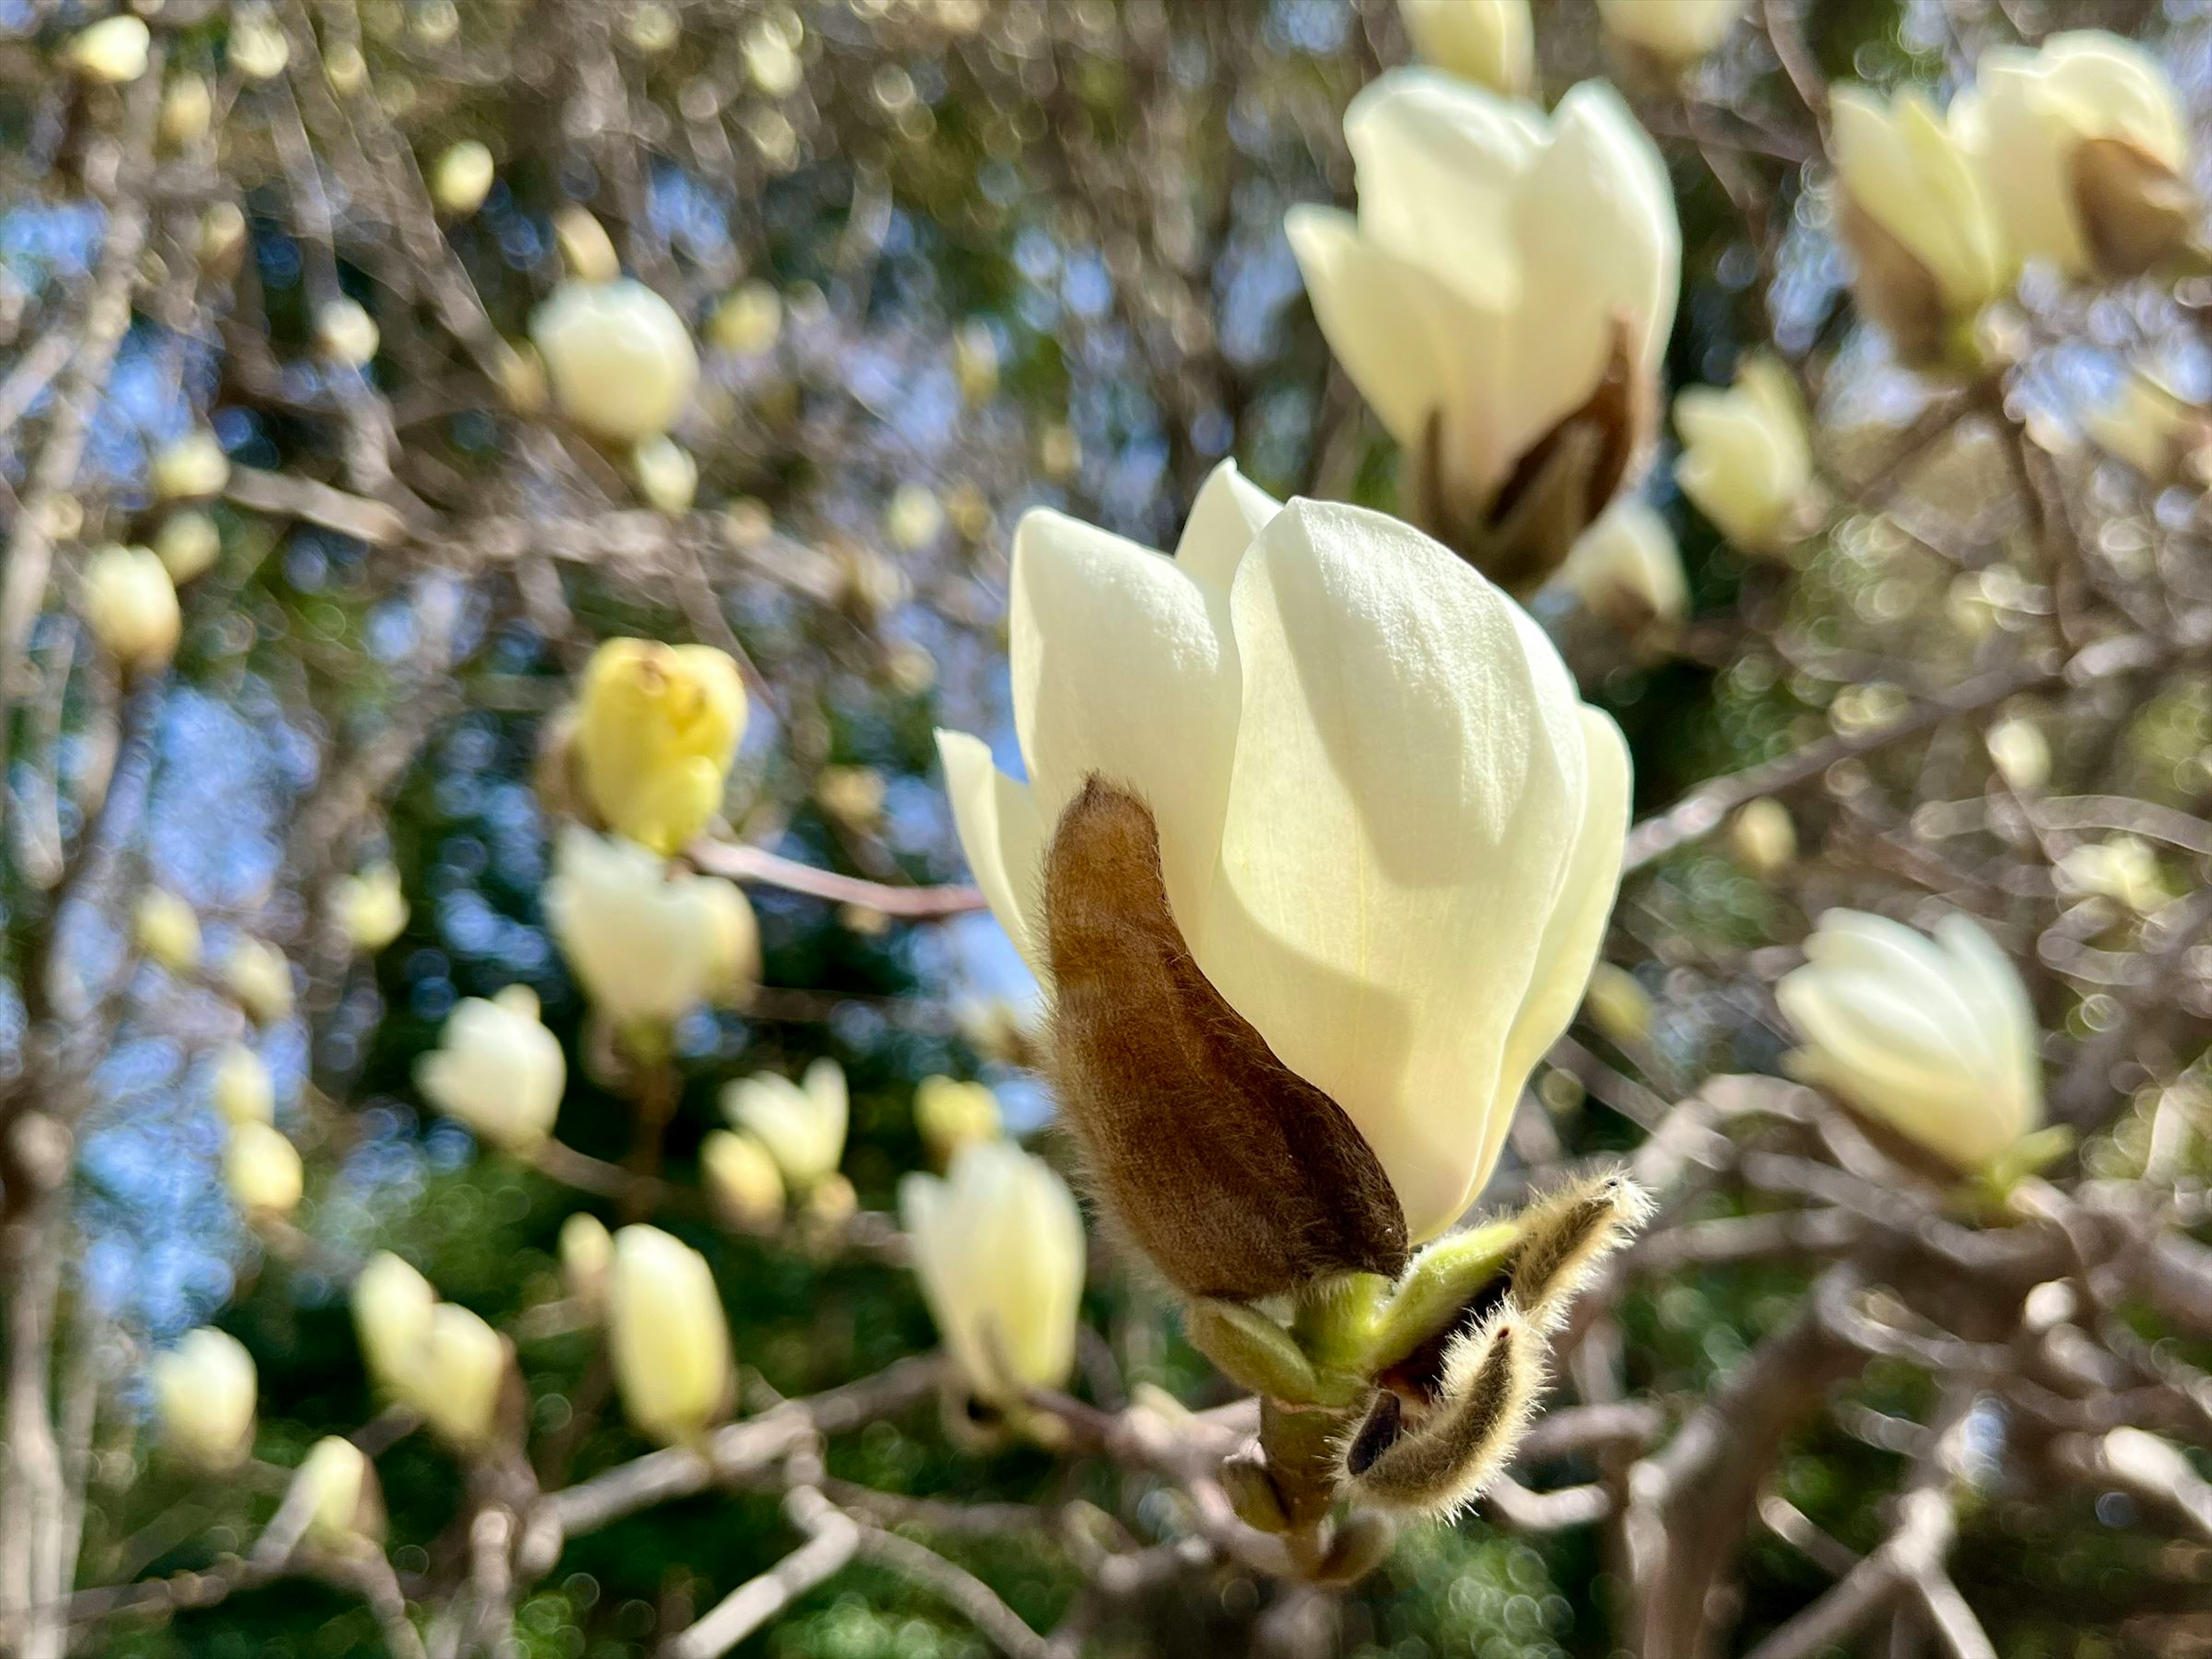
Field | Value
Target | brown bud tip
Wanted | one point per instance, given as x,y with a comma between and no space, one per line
1235,1176
1435,1457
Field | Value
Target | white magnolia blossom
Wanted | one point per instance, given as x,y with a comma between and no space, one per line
621,363
455,1377
203,1389
1492,43
167,929
392,1307
2027,116
1499,258
263,1171
259,977
113,51
243,1091
648,943
667,1335
742,1179
998,1246
1627,570
1389,830
131,605
1679,31
498,1069
1747,457
1934,1037
463,178
371,907
802,1124
2020,752
344,1505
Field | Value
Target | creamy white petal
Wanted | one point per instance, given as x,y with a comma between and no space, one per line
1003,835
1229,511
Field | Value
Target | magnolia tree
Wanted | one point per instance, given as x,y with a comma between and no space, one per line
1572,1098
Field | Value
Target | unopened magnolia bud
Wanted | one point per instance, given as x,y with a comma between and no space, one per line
187,110
801,1124
462,178
194,466
772,59
370,908
345,333
914,517
263,1171
258,49
203,1389
459,1375
975,361
221,240
586,247
654,28
1746,458
1489,42
393,1305
622,364
666,475
257,975
1626,568
1618,1006
188,543
952,1114
243,1092
346,1507
111,51
131,605
647,945
1762,836
344,67
587,1249
2122,868
852,795
498,1070
667,1335
1676,32
2020,754
657,731
742,1180
167,930
749,321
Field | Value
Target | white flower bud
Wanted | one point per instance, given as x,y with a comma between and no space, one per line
2122,868
1627,570
2020,753
243,1092
1747,459
1762,836
131,605
587,1250
188,544
345,333
666,475
647,944
1489,42
1676,30
771,49
203,1391
622,367
457,1377
749,319
667,1335
261,1171
194,465
998,1246
113,51
187,110
950,1115
258,975
370,908
915,518
742,1180
347,1512
167,931
586,247
498,1070
258,49
801,1124
462,178
392,1306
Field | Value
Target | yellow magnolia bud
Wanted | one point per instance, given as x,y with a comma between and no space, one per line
742,1180
1489,42
458,1374
347,1511
666,475
622,364
345,333
975,361
258,975
194,465
647,945
393,1307
497,1070
1762,836
462,178
203,1391
261,1171
749,319
112,51
1747,460
950,1115
2020,754
187,110
131,605
167,930
586,247
370,908
587,1250
243,1092
258,49
1627,570
667,1335
1618,1006
658,728
801,1124
188,543
914,517
1676,30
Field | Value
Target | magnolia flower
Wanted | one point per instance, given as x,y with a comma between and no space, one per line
131,605
1489,42
1920,221
203,1389
950,1115
914,517
2122,868
462,178
393,1307
257,47
622,364
168,930
455,1377
187,110
802,1124
371,907
346,1507
742,1180
1627,570
648,943
667,1335
1679,31
2151,427
243,1092
345,333
657,728
1317,837
256,973
1502,301
262,1170
188,544
1934,1038
998,1246
2020,753
666,475
2086,148
113,51
1746,461
498,1070
1763,837
587,1250
194,465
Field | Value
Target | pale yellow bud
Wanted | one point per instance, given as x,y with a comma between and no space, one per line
1618,1006
187,110
194,466
345,333
586,247
1489,42
2122,868
188,544
647,944
370,908
257,975
914,517
1676,30
801,1124
2020,754
112,51
458,1376
392,1306
344,67
263,1171
667,1336
1747,459
1762,836
131,605
666,475
347,1511
771,49
1626,568
587,1249
258,49
749,319
852,795
204,1392
498,1070
657,731
950,1115
462,178
742,1180
622,365
975,361
654,28
167,931
243,1092
222,238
